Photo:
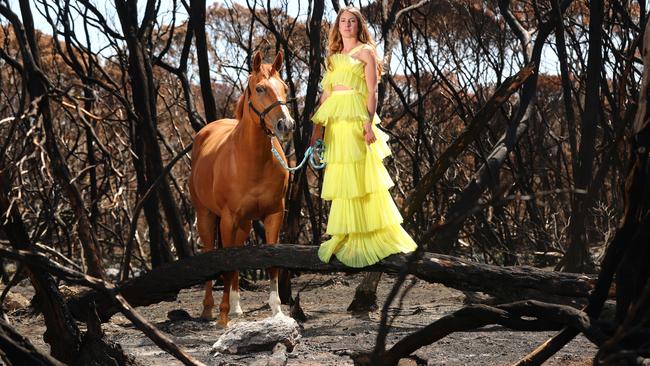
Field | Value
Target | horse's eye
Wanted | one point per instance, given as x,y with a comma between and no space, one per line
259,89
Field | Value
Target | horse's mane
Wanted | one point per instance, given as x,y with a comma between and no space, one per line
267,72
239,108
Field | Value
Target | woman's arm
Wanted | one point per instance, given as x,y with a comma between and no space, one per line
324,95
317,130
367,55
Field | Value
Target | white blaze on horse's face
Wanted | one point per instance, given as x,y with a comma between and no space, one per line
282,124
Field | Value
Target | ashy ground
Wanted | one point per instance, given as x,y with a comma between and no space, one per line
330,333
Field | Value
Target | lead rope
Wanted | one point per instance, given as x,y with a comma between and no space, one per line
318,150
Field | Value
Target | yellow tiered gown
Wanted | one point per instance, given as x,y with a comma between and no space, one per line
364,222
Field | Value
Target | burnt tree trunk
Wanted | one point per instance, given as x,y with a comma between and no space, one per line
159,251
627,254
164,282
301,139
92,160
633,272
577,256
138,39
304,128
365,296
197,19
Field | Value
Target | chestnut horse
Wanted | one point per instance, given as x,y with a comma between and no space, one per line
236,179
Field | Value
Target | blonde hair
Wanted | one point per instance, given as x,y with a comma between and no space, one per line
335,41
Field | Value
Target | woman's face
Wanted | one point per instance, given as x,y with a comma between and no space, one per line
348,25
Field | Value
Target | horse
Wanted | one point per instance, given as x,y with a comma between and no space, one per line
235,178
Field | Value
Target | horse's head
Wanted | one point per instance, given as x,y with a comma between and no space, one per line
267,97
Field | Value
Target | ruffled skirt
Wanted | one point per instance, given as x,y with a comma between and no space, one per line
364,222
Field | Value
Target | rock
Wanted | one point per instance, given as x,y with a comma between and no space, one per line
278,358
112,273
178,314
15,301
244,337
280,351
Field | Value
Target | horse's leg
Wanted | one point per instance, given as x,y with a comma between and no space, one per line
235,307
206,223
232,235
272,224
241,235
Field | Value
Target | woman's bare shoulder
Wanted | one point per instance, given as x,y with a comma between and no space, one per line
366,54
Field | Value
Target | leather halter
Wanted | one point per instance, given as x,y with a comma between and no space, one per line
266,110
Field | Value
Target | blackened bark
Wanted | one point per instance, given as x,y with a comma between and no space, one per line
577,256
62,333
566,82
197,15
144,101
629,245
164,282
294,203
299,179
365,296
524,316
18,350
92,160
471,132
37,85
196,120
485,176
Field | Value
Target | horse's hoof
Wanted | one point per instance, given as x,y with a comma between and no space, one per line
207,315
236,313
222,323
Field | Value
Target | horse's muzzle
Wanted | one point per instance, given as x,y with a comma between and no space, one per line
284,128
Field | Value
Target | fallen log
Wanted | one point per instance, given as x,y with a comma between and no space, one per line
522,315
164,282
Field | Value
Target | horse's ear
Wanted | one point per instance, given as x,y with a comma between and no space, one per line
257,61
277,64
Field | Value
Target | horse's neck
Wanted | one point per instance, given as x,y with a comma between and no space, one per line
251,138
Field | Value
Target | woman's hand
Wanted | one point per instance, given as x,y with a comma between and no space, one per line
368,133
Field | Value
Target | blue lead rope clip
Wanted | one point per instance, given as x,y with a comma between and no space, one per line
319,150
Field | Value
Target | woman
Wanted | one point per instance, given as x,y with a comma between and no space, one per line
364,222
